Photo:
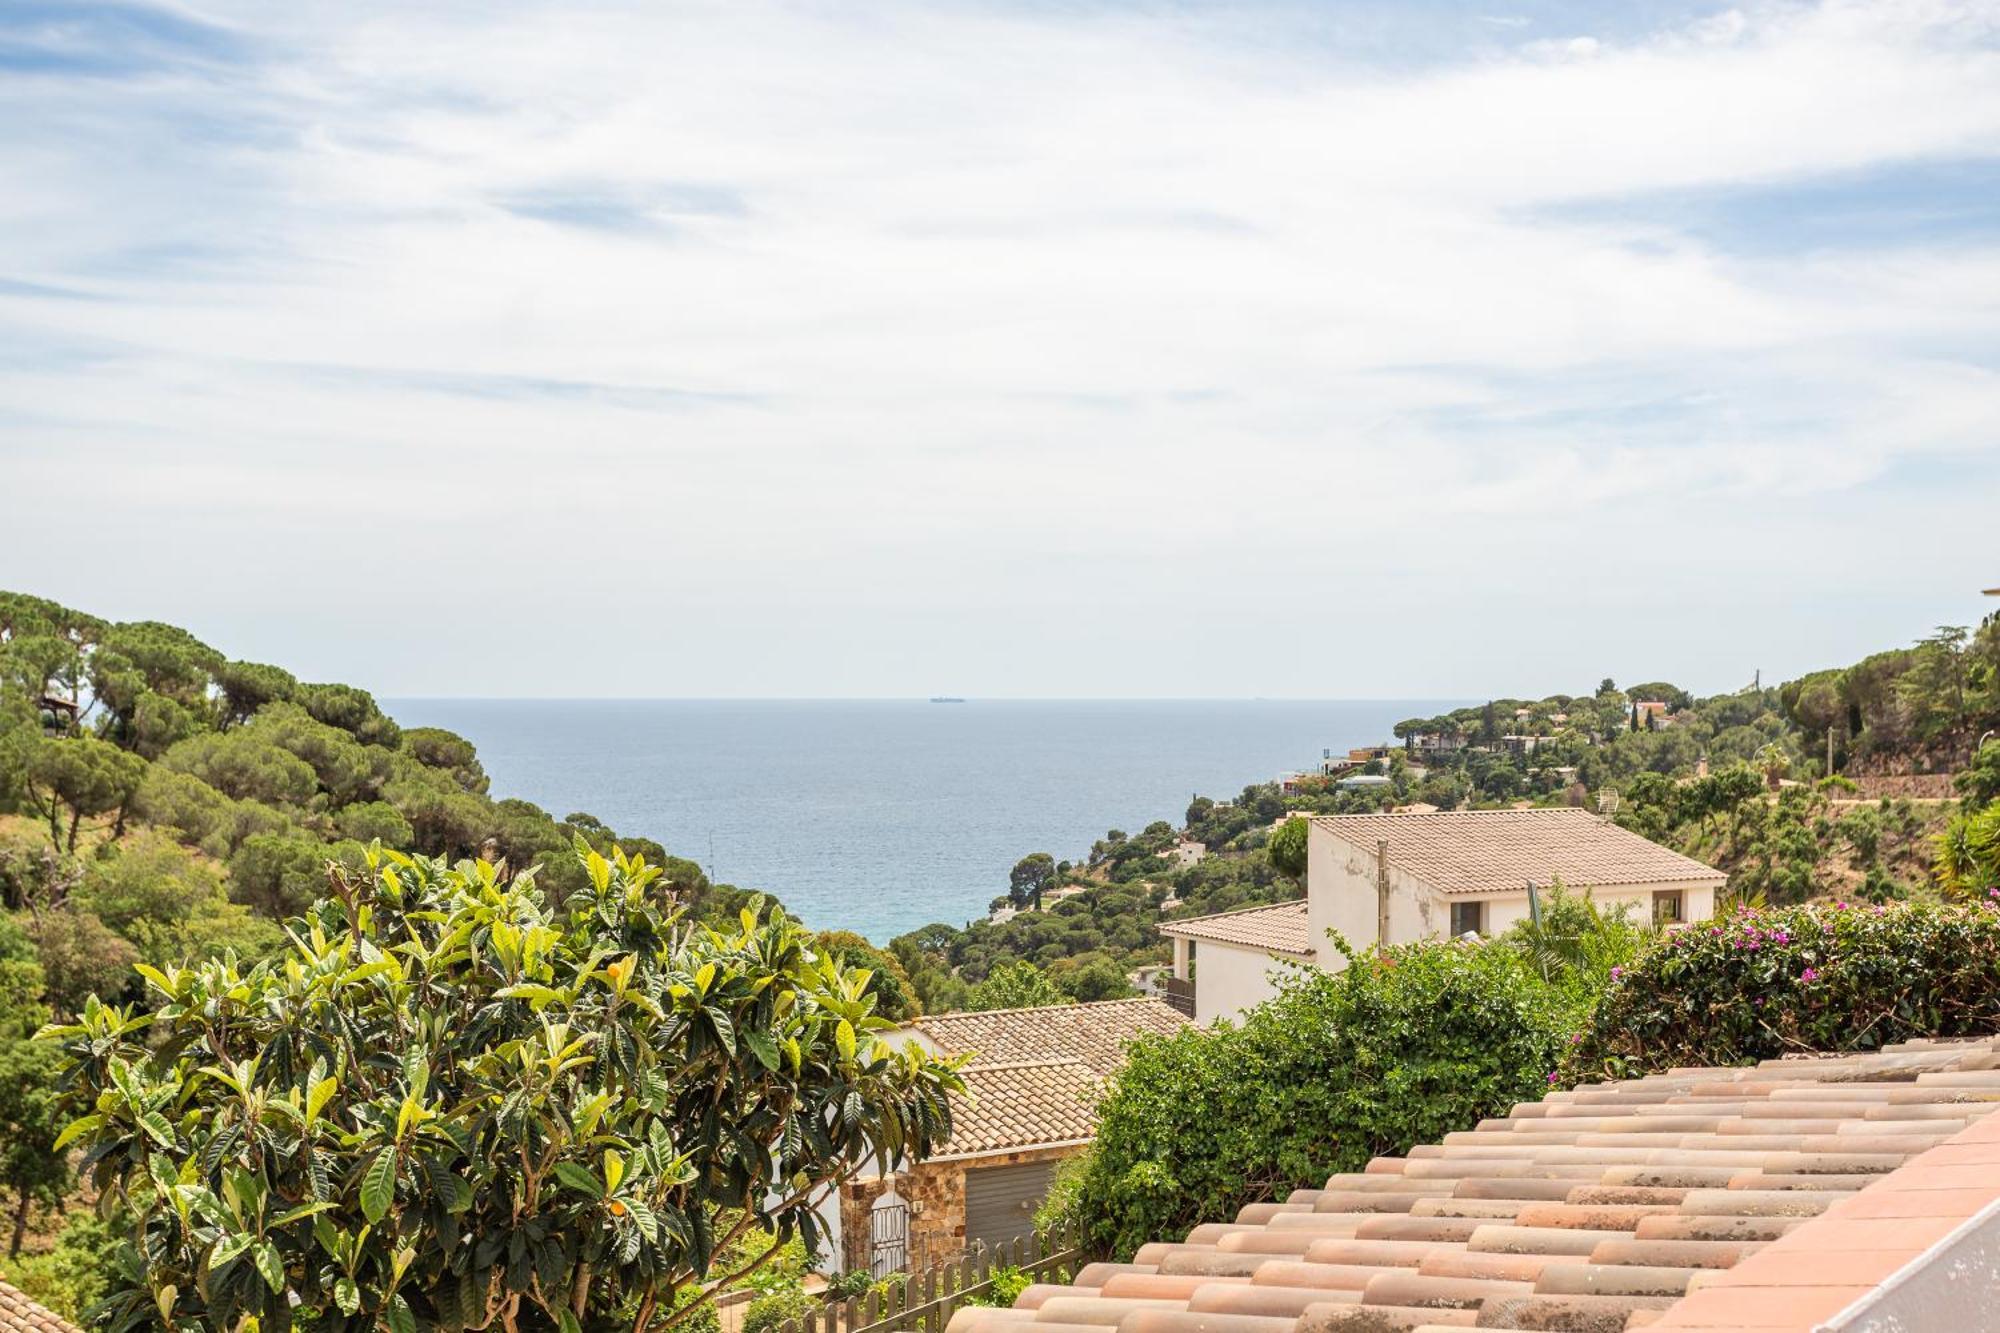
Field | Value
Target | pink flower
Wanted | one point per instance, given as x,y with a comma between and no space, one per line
1552,1077
1617,972
1809,976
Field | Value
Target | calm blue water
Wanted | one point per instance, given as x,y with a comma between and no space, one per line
880,816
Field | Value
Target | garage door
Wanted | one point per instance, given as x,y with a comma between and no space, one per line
1000,1201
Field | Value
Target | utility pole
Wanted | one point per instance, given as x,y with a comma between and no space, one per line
1381,894
1829,750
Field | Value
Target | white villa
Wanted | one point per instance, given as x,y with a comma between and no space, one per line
1398,878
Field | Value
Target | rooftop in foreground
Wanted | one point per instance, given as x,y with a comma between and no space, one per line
1499,851
1769,1198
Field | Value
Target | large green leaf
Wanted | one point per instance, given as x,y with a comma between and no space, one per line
378,1186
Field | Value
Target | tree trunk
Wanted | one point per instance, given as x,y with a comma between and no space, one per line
75,818
20,1225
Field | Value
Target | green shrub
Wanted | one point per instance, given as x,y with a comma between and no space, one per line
1339,1068
1816,978
854,1282
1063,1203
776,1308
704,1320
1577,943
1004,1287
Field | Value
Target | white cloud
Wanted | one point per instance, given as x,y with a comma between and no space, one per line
720,316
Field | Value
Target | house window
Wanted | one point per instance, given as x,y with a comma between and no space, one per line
1468,917
1668,909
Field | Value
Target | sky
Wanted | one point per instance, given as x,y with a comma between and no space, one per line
1032,348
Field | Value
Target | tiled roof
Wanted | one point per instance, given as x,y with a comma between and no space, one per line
1023,1106
1495,851
1096,1034
18,1314
1595,1211
1280,928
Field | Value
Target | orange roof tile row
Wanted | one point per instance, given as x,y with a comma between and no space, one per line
18,1314
1280,928
1096,1034
1613,1207
1026,1105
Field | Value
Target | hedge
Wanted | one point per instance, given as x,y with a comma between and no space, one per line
1339,1068
1821,977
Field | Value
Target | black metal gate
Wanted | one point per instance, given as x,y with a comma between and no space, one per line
888,1235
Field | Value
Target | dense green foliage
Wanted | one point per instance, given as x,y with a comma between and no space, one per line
1340,1067
1789,845
1929,701
265,779
774,1309
454,1105
1017,985
1824,977
160,803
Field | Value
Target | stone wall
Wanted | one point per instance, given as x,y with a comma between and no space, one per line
935,1192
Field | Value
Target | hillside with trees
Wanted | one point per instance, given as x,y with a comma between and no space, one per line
164,805
1739,780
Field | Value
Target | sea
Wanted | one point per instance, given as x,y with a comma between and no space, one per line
880,816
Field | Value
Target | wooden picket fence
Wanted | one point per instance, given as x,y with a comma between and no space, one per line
924,1302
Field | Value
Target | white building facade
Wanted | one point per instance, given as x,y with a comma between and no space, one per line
1400,878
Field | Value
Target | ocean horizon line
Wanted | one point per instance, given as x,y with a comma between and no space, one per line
922,698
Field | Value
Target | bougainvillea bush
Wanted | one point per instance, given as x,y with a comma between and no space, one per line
1339,1068
456,1106
1823,977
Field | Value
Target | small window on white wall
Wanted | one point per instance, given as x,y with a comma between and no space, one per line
1468,918
1669,908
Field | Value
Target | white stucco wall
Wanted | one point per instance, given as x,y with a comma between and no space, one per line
1229,979
1340,895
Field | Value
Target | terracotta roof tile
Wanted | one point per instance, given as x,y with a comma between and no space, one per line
1280,929
1497,851
1551,1217
1097,1034
18,1314
1023,1106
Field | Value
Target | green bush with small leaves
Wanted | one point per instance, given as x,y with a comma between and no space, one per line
1340,1067
1824,977
1004,1287
774,1309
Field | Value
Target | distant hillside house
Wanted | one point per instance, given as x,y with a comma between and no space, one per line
1443,873
1030,1101
1332,765
1650,715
